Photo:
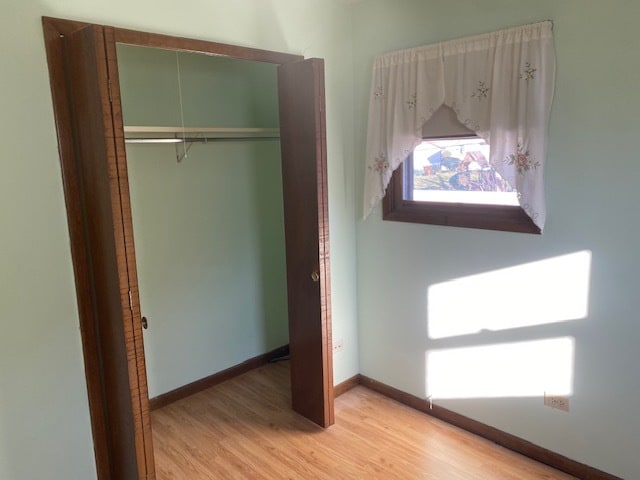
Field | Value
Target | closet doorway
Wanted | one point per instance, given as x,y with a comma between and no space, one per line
206,204
86,94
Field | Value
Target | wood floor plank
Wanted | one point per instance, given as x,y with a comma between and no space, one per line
245,429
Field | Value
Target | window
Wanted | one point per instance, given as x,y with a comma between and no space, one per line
448,180
471,215
463,198
455,170
496,86
489,216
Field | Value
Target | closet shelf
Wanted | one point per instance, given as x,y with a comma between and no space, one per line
153,134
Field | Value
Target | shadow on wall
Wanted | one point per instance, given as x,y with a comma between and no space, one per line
495,335
266,186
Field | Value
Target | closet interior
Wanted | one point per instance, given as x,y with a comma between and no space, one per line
204,169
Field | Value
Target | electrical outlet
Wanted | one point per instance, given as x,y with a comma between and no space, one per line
338,345
559,402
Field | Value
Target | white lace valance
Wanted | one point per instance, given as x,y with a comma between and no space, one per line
499,84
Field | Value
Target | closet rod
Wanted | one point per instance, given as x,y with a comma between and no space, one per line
161,134
197,139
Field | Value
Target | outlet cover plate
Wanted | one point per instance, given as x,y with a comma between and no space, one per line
558,402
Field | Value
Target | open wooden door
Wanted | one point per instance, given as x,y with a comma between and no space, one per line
85,89
118,393
304,169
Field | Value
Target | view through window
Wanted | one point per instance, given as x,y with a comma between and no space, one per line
455,170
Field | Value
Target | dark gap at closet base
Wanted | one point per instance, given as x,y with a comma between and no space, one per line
222,376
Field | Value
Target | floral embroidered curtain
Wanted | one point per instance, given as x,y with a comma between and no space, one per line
500,85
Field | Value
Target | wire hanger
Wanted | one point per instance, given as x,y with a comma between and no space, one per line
180,156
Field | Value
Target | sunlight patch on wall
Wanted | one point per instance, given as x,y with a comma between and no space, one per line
538,293
524,369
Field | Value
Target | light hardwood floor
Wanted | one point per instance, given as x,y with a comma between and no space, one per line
245,429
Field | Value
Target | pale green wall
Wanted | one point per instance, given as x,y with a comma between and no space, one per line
209,231
44,422
216,91
210,250
44,418
591,183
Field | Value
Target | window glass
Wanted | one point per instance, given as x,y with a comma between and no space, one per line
455,170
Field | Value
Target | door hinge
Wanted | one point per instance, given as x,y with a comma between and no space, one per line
130,301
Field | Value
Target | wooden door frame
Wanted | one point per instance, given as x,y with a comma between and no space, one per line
55,31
